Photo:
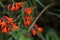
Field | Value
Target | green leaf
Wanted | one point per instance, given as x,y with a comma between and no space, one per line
23,38
18,33
42,36
10,38
51,35
55,14
40,3
47,36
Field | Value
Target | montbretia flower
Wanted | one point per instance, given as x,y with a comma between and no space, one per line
0,22
15,6
20,4
14,26
34,32
6,30
27,23
3,24
27,20
28,11
7,24
9,7
40,29
35,25
36,29
10,20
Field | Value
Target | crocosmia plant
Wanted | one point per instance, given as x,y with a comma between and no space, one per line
29,20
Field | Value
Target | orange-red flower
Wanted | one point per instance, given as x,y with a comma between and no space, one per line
9,7
17,6
35,25
28,18
40,29
0,22
13,8
15,27
27,23
10,20
3,24
6,17
34,32
20,4
28,11
6,30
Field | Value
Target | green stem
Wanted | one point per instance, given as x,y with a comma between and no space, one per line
12,0
40,3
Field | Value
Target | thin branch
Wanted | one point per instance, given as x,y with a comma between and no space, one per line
17,18
44,9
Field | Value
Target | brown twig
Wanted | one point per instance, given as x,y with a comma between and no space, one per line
44,9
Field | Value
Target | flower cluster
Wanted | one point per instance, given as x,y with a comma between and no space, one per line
15,6
7,24
28,21
27,18
36,28
28,11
